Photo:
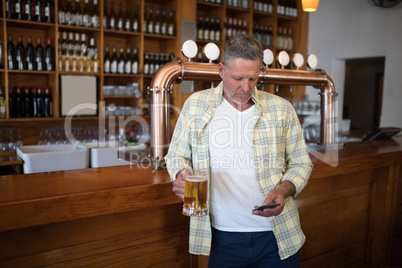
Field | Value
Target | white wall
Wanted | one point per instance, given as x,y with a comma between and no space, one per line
345,29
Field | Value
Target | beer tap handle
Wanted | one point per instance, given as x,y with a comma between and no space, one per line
311,62
267,59
211,52
298,61
283,59
189,49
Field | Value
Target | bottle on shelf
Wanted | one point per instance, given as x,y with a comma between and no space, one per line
20,57
48,103
75,59
171,24
29,10
40,56
39,11
127,19
135,62
28,107
212,30
136,20
61,14
49,11
30,55
11,102
95,19
145,22
95,62
3,106
11,62
151,64
200,28
40,104
120,18
218,31
157,22
150,21
206,28
127,63
106,64
19,104
34,102
10,9
86,15
106,16
146,64
121,61
113,61
69,14
18,9
50,59
112,18
78,14
164,23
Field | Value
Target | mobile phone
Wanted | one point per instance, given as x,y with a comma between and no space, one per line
272,205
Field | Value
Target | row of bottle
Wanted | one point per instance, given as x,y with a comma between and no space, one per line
158,22
152,61
287,8
212,1
209,29
265,6
124,64
123,21
3,107
234,26
30,102
30,58
264,34
78,56
31,10
238,3
89,17
284,39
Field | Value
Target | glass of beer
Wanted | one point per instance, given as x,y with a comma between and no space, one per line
195,196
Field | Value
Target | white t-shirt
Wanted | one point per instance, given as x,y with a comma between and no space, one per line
234,188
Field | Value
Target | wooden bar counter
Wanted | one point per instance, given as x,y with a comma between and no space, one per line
129,217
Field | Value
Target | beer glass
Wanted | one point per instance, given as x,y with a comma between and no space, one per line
195,196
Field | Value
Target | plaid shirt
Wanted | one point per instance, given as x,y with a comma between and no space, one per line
277,141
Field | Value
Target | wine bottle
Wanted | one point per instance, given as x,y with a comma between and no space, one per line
171,24
34,102
218,32
30,60
69,14
106,63
127,64
40,105
20,55
86,17
18,9
48,103
150,21
50,59
49,11
113,62
78,14
40,56
127,19
28,107
164,23
200,28
145,25
121,61
135,62
157,22
11,102
136,20
83,45
112,22
91,48
146,64
106,16
206,28
10,9
95,61
39,11
60,12
120,18
95,19
19,104
3,107
11,53
212,30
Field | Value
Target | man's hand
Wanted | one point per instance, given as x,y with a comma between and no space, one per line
277,195
178,184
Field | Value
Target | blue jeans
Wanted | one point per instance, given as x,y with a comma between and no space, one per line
248,249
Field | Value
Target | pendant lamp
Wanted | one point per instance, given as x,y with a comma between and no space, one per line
310,5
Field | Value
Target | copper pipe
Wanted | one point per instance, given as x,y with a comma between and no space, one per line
179,70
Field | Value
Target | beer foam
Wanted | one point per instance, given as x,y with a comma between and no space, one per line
196,178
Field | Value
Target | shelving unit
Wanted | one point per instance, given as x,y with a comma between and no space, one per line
145,42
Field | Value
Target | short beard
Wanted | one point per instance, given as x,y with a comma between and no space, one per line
231,97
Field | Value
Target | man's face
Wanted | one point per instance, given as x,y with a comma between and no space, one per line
239,80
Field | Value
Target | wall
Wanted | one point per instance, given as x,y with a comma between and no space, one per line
345,29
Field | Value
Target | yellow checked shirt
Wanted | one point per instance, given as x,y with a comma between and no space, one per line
277,140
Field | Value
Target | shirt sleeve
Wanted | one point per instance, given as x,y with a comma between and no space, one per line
298,160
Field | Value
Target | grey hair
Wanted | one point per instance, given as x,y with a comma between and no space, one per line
242,46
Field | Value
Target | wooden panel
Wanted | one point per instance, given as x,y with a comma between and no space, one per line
396,248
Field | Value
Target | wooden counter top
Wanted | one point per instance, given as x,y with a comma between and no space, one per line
74,194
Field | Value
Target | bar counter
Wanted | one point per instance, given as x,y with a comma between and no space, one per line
128,216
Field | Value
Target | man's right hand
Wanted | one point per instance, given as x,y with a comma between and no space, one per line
178,184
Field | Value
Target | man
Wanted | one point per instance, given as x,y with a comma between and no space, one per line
249,144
